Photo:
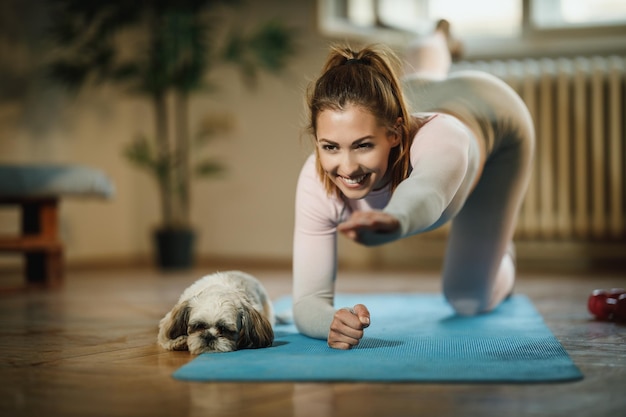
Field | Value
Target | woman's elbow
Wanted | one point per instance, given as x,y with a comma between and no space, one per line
308,323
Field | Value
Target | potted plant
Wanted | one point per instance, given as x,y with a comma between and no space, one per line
163,50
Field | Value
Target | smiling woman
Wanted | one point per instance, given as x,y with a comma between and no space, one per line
380,173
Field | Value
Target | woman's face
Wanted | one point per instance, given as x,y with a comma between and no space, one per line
353,150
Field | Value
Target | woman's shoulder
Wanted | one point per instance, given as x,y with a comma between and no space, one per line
312,197
433,121
308,174
440,129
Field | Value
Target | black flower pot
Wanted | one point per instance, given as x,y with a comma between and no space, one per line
174,248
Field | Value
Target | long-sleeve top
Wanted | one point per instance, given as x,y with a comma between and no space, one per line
445,160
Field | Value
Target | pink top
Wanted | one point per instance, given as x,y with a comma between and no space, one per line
445,160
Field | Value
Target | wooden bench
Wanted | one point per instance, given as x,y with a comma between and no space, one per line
39,240
37,190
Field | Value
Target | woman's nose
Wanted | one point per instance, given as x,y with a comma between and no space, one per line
348,164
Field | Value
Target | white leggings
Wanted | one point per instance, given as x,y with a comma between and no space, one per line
479,271
479,267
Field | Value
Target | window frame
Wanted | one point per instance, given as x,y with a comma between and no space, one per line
533,41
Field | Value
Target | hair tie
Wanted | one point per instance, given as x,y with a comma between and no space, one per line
351,61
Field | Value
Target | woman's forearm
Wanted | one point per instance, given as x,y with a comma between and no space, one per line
313,315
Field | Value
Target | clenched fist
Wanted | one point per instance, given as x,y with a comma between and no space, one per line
346,329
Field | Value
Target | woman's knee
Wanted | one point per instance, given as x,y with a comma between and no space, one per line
465,305
483,296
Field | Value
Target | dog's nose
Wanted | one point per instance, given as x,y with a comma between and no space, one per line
208,337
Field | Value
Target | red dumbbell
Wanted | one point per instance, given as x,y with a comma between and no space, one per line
608,305
620,308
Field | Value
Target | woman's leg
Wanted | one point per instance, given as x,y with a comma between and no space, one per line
430,57
479,269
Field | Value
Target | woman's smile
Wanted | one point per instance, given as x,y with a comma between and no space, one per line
354,181
353,150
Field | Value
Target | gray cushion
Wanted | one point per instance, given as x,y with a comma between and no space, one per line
38,180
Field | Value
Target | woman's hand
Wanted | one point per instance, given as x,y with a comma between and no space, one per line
370,227
346,329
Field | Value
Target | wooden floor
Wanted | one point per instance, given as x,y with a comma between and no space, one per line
89,350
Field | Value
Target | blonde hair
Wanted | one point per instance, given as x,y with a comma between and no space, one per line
365,78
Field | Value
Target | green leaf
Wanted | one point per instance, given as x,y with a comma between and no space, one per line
272,45
71,75
268,47
213,125
140,153
208,168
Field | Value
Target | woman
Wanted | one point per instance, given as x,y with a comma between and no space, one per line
380,173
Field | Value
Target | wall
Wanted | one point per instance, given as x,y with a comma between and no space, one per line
246,215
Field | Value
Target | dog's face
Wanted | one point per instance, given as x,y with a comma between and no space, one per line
210,322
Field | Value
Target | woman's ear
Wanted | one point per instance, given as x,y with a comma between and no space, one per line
395,135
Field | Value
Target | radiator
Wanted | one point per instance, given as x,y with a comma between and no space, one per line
578,187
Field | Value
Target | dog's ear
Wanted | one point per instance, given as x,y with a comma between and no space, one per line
255,331
173,328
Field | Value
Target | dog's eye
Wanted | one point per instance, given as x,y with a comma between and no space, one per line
224,330
197,327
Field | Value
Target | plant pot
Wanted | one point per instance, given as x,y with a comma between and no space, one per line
174,248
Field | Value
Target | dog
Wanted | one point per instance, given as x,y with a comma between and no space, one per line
220,312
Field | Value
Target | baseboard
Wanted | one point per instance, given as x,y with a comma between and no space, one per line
423,255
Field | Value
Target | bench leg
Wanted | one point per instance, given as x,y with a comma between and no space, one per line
43,267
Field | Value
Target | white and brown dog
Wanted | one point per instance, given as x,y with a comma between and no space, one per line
221,312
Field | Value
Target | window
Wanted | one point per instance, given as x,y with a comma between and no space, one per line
486,27
578,13
476,17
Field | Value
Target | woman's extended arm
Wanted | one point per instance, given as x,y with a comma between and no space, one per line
445,160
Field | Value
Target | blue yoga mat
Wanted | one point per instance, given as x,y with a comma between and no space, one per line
412,338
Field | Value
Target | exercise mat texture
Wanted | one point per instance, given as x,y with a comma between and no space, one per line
412,338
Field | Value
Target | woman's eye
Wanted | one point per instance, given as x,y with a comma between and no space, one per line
329,147
366,145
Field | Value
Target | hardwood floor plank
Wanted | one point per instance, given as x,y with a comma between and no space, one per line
90,349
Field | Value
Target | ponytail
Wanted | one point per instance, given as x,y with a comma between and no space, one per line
368,79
